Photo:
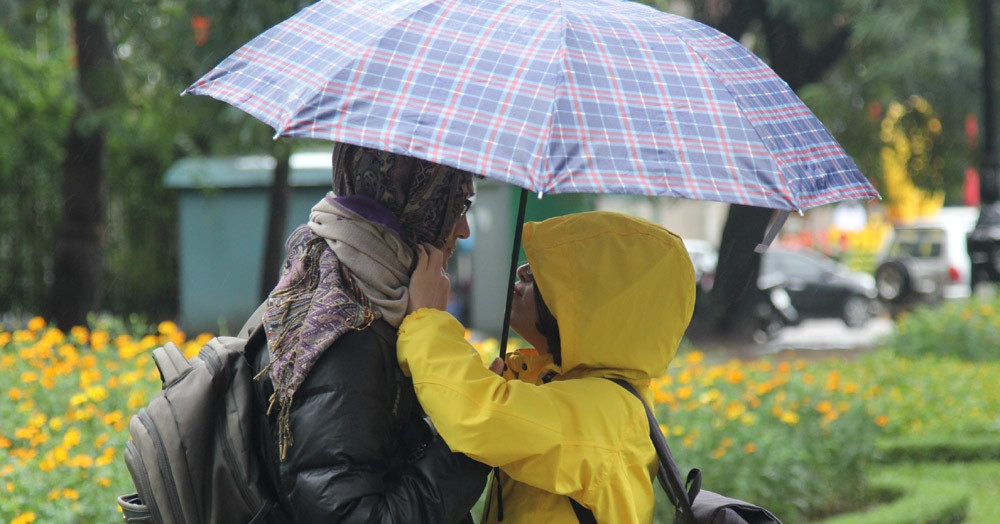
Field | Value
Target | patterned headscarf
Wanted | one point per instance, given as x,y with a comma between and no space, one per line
425,197
351,263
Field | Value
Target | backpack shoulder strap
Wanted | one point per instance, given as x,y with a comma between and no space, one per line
668,474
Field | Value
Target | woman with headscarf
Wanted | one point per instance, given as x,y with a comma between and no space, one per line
344,438
603,295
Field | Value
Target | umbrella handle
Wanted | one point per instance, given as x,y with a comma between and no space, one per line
513,270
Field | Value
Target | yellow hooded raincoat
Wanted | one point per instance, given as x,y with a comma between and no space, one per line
622,290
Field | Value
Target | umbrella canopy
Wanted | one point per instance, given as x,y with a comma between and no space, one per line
599,96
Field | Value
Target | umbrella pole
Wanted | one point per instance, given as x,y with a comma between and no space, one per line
513,270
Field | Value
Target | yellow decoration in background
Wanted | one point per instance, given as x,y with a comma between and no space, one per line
906,200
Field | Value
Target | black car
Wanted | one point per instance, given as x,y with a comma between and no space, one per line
819,286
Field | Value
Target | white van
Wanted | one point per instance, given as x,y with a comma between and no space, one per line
927,260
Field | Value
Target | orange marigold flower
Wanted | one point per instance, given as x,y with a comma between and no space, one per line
881,421
685,392
36,324
24,518
824,406
750,448
694,357
833,380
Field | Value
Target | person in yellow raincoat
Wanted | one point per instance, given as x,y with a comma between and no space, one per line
619,292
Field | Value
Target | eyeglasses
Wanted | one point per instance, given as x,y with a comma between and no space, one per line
465,207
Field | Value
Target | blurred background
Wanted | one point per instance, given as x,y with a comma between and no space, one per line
120,196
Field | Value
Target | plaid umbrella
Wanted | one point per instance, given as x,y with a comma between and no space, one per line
600,96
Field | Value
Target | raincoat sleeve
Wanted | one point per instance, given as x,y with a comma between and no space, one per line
515,425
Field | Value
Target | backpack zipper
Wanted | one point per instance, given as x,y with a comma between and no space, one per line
161,458
141,475
213,361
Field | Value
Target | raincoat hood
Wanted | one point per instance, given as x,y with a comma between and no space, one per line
622,290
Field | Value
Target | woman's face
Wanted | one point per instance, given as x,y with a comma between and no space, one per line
523,310
461,230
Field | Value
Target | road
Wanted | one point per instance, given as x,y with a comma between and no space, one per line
826,334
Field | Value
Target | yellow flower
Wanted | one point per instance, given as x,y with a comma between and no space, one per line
5,338
986,310
694,357
10,487
685,392
662,397
99,340
77,399
103,481
735,410
166,327
4,442
24,518
790,417
824,407
734,376
82,461
36,324
709,396
881,421
54,494
80,334
71,438
28,377
136,399
718,453
55,423
750,448
71,494
47,464
748,419
833,380
97,393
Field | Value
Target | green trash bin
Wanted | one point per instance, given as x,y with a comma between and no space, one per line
222,221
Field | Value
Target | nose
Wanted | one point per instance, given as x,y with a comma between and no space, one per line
462,227
524,273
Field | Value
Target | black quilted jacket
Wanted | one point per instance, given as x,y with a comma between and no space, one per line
362,451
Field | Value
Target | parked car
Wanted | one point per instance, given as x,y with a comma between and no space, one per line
770,315
927,261
819,286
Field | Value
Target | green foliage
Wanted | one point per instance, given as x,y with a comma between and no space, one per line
792,437
939,448
930,395
966,329
935,493
898,49
34,113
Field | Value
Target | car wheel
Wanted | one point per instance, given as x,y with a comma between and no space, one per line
856,311
892,281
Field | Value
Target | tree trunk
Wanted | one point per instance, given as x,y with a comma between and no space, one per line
78,260
274,242
728,308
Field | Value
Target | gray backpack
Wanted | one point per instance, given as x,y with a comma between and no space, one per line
190,453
